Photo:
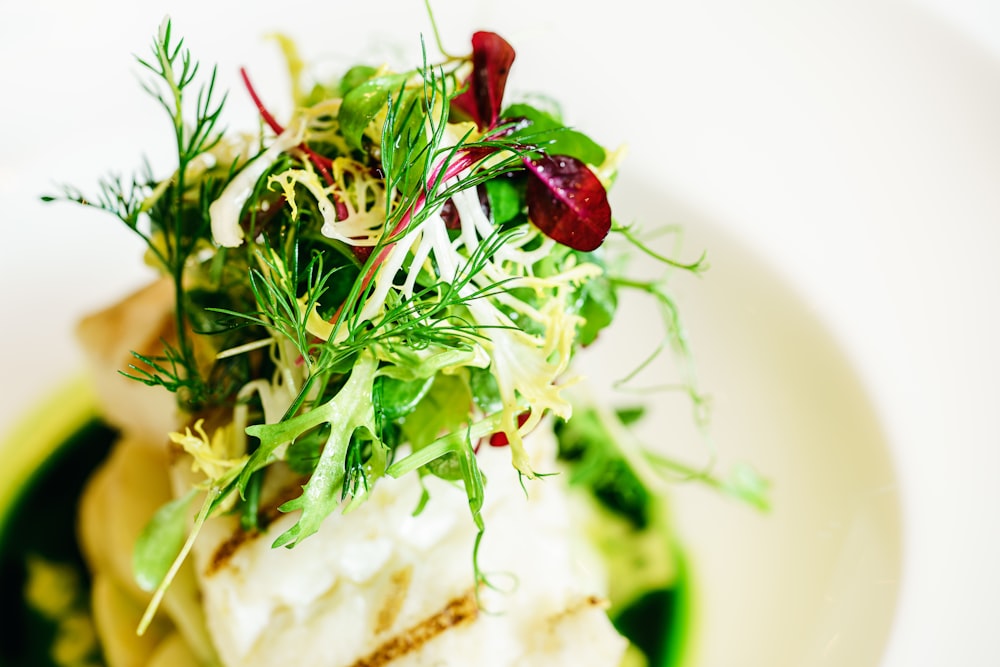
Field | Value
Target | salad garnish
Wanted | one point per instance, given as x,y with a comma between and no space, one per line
396,275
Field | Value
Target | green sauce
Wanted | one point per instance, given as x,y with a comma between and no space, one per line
656,623
630,528
38,548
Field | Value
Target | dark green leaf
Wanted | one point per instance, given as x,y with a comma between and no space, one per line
303,454
485,391
398,398
506,197
556,139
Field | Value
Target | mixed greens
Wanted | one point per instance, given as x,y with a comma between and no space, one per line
395,276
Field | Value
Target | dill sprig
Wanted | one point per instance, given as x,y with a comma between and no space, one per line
169,215
177,227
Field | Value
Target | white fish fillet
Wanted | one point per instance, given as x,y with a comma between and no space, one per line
379,586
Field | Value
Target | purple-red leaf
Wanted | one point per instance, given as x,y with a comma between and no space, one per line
491,60
567,201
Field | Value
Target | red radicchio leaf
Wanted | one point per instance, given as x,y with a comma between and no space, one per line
491,60
567,201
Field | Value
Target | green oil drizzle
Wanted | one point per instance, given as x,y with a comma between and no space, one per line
657,621
40,527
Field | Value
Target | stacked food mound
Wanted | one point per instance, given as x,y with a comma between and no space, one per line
349,432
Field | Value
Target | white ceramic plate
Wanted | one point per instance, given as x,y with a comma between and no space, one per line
838,162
